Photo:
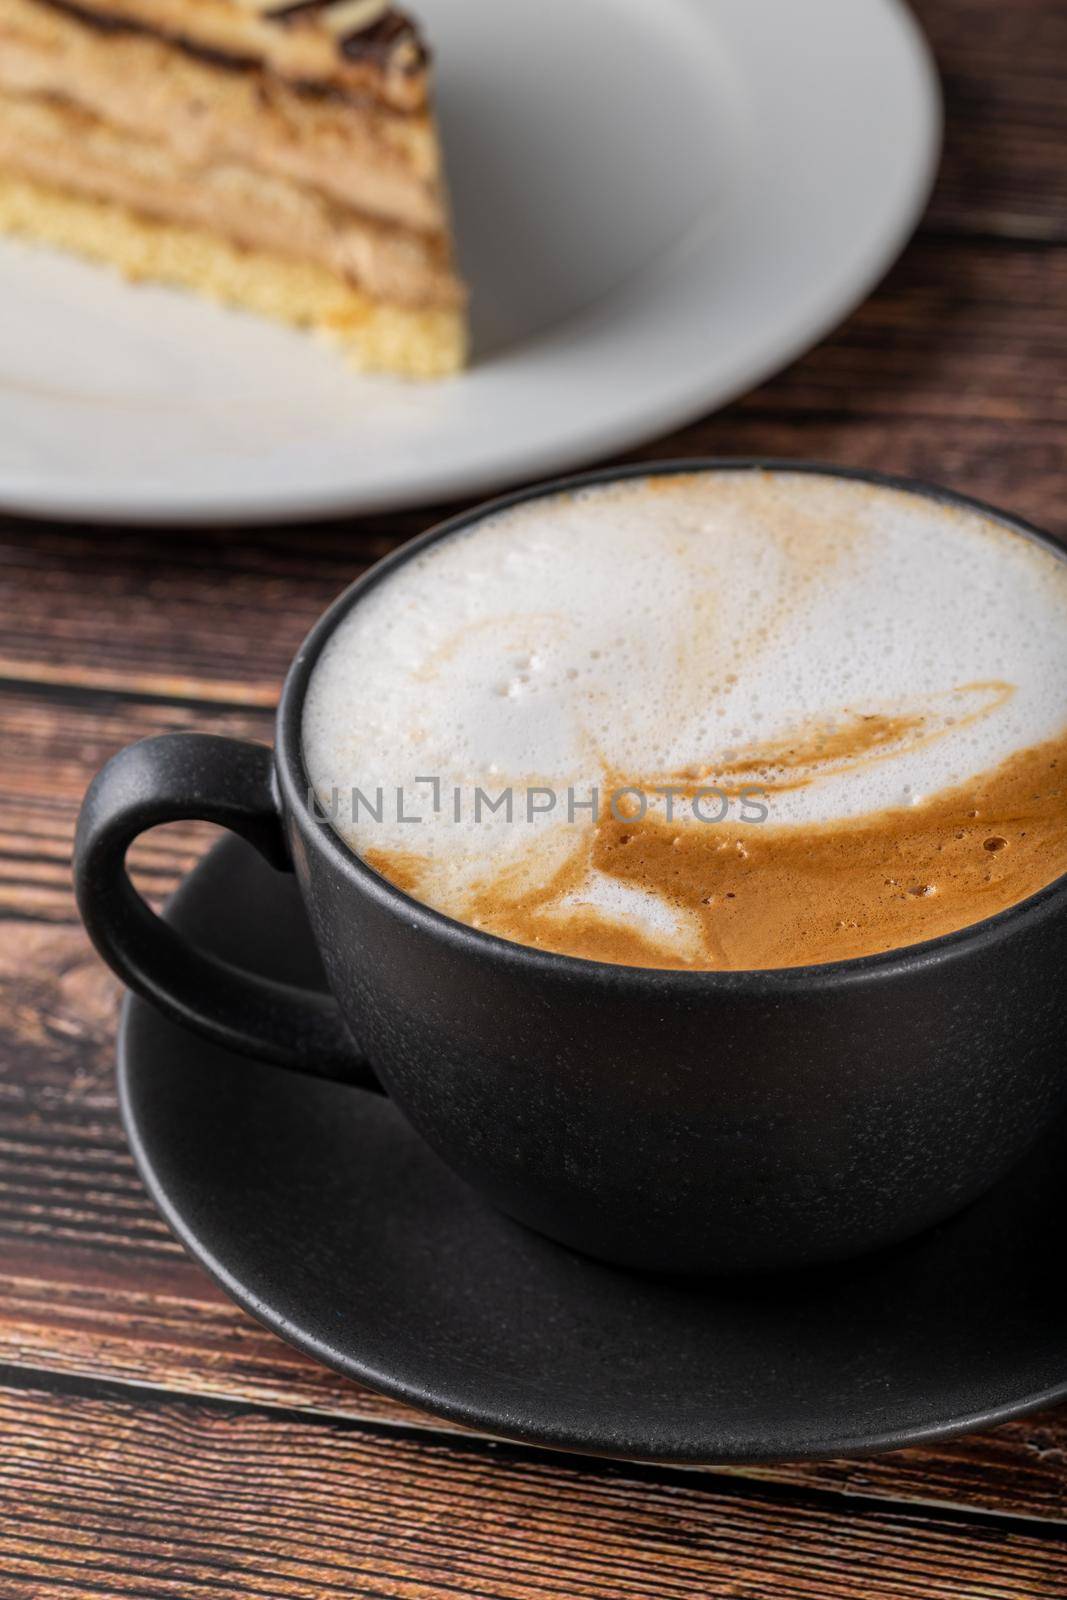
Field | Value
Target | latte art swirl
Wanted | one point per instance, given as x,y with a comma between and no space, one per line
886,672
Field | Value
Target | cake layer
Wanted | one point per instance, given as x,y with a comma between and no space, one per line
372,159
374,335
65,148
329,43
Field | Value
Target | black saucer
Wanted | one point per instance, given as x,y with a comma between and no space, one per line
323,1215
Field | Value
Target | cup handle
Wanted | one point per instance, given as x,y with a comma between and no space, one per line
180,777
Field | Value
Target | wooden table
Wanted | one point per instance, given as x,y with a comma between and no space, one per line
156,1442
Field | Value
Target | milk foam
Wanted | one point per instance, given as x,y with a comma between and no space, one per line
678,625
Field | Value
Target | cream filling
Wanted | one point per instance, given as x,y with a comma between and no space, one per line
63,147
360,156
343,18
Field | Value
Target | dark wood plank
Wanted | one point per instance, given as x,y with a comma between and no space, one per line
83,1312
1002,66
51,749
967,337
112,1496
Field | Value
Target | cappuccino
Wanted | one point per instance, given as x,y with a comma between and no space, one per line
732,719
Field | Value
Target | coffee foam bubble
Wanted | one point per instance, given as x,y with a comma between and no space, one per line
849,648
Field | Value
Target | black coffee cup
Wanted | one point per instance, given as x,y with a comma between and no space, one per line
671,1120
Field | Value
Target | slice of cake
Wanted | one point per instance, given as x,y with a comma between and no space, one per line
281,157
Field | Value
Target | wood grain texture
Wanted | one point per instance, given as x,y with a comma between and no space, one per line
154,1441
81,1312
51,747
1002,70
113,1496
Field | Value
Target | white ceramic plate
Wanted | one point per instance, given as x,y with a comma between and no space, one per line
658,205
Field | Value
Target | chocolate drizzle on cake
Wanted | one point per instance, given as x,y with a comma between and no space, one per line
392,41
364,29
368,33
